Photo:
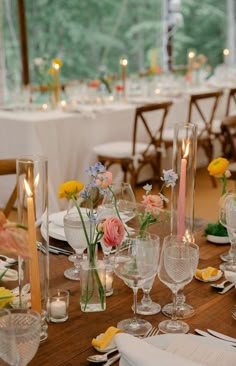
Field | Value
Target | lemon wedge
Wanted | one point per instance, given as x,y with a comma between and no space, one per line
105,338
205,274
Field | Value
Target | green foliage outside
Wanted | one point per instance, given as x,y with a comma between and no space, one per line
86,34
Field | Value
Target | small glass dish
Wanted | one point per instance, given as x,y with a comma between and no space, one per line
211,278
108,348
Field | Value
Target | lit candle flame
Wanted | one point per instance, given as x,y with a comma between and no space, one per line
123,62
185,149
56,66
191,54
226,52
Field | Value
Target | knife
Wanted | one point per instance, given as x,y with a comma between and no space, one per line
222,336
207,335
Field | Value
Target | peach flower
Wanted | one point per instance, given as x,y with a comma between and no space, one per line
13,239
113,230
152,200
104,180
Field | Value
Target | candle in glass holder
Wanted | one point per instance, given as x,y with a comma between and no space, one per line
123,63
33,260
58,306
226,54
109,281
182,191
56,66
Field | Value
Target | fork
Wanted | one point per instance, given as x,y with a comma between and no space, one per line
151,332
234,314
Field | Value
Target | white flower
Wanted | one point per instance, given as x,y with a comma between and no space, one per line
38,61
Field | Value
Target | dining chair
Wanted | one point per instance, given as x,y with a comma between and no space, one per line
231,98
208,127
145,148
8,167
228,128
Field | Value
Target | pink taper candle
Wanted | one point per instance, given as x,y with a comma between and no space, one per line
182,192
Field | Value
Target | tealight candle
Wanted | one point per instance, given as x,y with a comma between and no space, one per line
109,281
58,306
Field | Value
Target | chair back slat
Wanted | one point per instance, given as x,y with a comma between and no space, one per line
228,128
231,97
8,167
155,138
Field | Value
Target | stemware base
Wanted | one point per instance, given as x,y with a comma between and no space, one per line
173,326
183,311
151,309
72,274
228,266
136,327
226,256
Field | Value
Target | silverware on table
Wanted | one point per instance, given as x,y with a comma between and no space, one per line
208,335
226,289
221,336
112,360
219,286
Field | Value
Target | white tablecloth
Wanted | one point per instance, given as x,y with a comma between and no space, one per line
67,138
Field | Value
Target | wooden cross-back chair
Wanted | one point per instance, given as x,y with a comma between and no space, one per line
8,167
208,126
228,128
133,155
231,98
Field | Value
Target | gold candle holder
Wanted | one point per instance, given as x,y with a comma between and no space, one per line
56,65
123,64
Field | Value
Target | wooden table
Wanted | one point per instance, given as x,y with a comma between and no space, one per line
69,343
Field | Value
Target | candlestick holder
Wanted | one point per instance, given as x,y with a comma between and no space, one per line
32,207
123,64
182,200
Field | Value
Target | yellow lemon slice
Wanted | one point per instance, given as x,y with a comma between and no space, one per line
105,338
206,273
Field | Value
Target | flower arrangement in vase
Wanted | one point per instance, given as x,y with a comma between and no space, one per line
152,204
111,230
216,232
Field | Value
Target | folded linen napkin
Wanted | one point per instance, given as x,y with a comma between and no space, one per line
136,352
10,275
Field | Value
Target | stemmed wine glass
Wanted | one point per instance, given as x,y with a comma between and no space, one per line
20,329
178,260
227,217
119,201
136,261
147,306
74,233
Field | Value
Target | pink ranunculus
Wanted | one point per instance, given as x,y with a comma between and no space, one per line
155,211
153,200
113,230
104,180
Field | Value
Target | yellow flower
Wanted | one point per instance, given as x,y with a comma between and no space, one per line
6,296
57,61
70,187
218,167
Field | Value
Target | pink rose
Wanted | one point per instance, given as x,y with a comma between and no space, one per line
113,230
104,180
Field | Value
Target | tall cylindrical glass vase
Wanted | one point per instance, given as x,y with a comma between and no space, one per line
184,164
32,207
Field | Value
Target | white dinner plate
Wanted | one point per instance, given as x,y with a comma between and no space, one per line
220,240
108,348
211,278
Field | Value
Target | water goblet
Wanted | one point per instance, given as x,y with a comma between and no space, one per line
75,236
25,324
136,261
176,269
147,306
8,349
121,200
227,217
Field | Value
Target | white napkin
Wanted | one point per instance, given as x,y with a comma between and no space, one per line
230,276
136,352
10,275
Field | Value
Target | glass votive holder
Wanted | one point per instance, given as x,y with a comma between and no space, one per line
109,280
58,304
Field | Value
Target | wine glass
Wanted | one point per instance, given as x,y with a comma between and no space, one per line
227,217
176,269
120,199
147,306
22,329
136,261
74,233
